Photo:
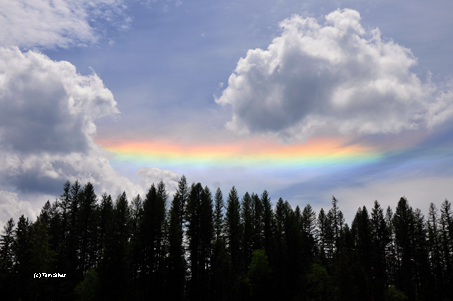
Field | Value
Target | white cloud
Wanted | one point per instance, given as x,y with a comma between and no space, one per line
46,105
155,175
330,77
11,207
47,115
31,23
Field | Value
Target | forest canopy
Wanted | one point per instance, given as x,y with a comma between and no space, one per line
202,245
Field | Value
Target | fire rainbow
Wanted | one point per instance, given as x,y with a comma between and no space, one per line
253,153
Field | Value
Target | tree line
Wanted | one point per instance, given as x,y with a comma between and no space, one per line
203,246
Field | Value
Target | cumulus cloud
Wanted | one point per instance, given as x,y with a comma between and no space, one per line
11,206
56,105
47,122
335,76
30,23
155,175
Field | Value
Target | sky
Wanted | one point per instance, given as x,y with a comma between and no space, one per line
304,99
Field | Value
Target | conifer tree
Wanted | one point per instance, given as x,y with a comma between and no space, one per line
151,238
176,260
268,225
403,222
309,230
446,225
233,228
136,252
194,237
114,271
87,228
247,236
65,205
422,277
380,238
200,233
162,247
321,233
22,249
221,261
297,259
390,252
218,214
435,252
206,243
361,229
72,249
280,263
180,198
7,260
105,228
41,259
336,221
258,216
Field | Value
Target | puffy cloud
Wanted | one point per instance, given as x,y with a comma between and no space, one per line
155,175
47,115
330,77
29,23
10,206
46,105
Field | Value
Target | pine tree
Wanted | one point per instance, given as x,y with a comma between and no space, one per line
268,226
336,221
435,252
233,228
87,228
50,219
177,245
309,230
446,225
281,264
72,249
114,273
41,259
194,237
136,213
65,205
7,260
247,236
422,275
380,238
22,248
361,229
297,262
6,247
206,243
181,197
321,234
257,214
176,260
218,214
390,251
162,247
105,228
151,238
403,222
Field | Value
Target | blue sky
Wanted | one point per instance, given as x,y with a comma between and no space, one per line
76,73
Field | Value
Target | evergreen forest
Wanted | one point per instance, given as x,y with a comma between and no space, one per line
204,245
